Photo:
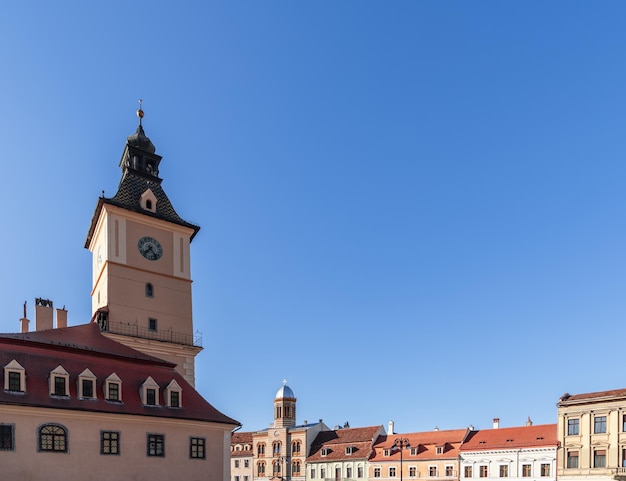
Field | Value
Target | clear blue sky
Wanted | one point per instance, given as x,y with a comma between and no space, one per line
411,210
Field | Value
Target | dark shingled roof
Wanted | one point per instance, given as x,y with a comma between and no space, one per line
83,347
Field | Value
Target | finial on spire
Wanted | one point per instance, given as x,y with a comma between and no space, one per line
140,112
284,382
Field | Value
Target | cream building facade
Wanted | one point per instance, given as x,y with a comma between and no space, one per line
592,435
114,398
515,453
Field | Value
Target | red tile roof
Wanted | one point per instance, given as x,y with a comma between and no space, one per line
516,437
426,442
242,439
84,347
336,442
595,396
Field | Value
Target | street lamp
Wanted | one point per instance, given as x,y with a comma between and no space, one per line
401,443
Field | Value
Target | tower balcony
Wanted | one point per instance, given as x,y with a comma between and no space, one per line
164,335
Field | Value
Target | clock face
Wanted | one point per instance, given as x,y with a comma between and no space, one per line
150,248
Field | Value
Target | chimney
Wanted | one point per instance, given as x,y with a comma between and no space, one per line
529,422
61,317
24,320
436,428
43,314
390,428
496,423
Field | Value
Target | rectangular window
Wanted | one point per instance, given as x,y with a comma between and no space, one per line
322,471
7,442
432,471
526,472
359,472
572,459
245,478
236,463
449,471
412,471
599,424
156,445
151,397
599,458
109,442
624,423
313,473
87,386
236,478
59,386
573,427
114,391
392,472
246,463
467,472
377,472
482,472
504,470
197,449
15,381
623,465
545,470
348,472
152,324
439,450
175,399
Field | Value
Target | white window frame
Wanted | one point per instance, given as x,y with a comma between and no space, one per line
15,366
173,386
87,375
59,371
150,384
113,379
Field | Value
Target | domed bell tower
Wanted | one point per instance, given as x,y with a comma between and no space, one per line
284,407
141,282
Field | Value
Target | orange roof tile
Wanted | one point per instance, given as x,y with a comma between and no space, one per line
515,437
336,442
426,443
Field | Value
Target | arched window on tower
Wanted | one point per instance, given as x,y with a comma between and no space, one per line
279,412
149,290
260,449
276,448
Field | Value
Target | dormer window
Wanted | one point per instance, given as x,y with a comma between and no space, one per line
349,450
113,388
439,449
387,452
59,382
150,392
86,385
414,451
14,377
173,395
148,201
325,451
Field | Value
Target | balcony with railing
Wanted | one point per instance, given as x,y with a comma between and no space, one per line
134,330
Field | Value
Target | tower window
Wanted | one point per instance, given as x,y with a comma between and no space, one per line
152,324
149,290
149,204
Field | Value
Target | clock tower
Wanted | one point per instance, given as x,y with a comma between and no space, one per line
141,283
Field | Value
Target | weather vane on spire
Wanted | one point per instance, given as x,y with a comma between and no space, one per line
140,112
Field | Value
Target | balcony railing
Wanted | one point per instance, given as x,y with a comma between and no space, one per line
133,330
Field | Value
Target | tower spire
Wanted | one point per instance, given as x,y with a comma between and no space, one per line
140,112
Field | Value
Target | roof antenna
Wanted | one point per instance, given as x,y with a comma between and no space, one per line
140,112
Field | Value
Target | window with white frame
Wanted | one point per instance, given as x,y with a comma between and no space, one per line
174,394
113,388
87,385
439,450
412,471
150,392
14,377
432,471
392,471
59,382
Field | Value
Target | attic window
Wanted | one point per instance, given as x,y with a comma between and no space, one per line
325,451
509,440
14,377
113,388
439,449
414,451
173,394
150,392
387,452
482,442
539,438
59,382
86,383
148,201
350,450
